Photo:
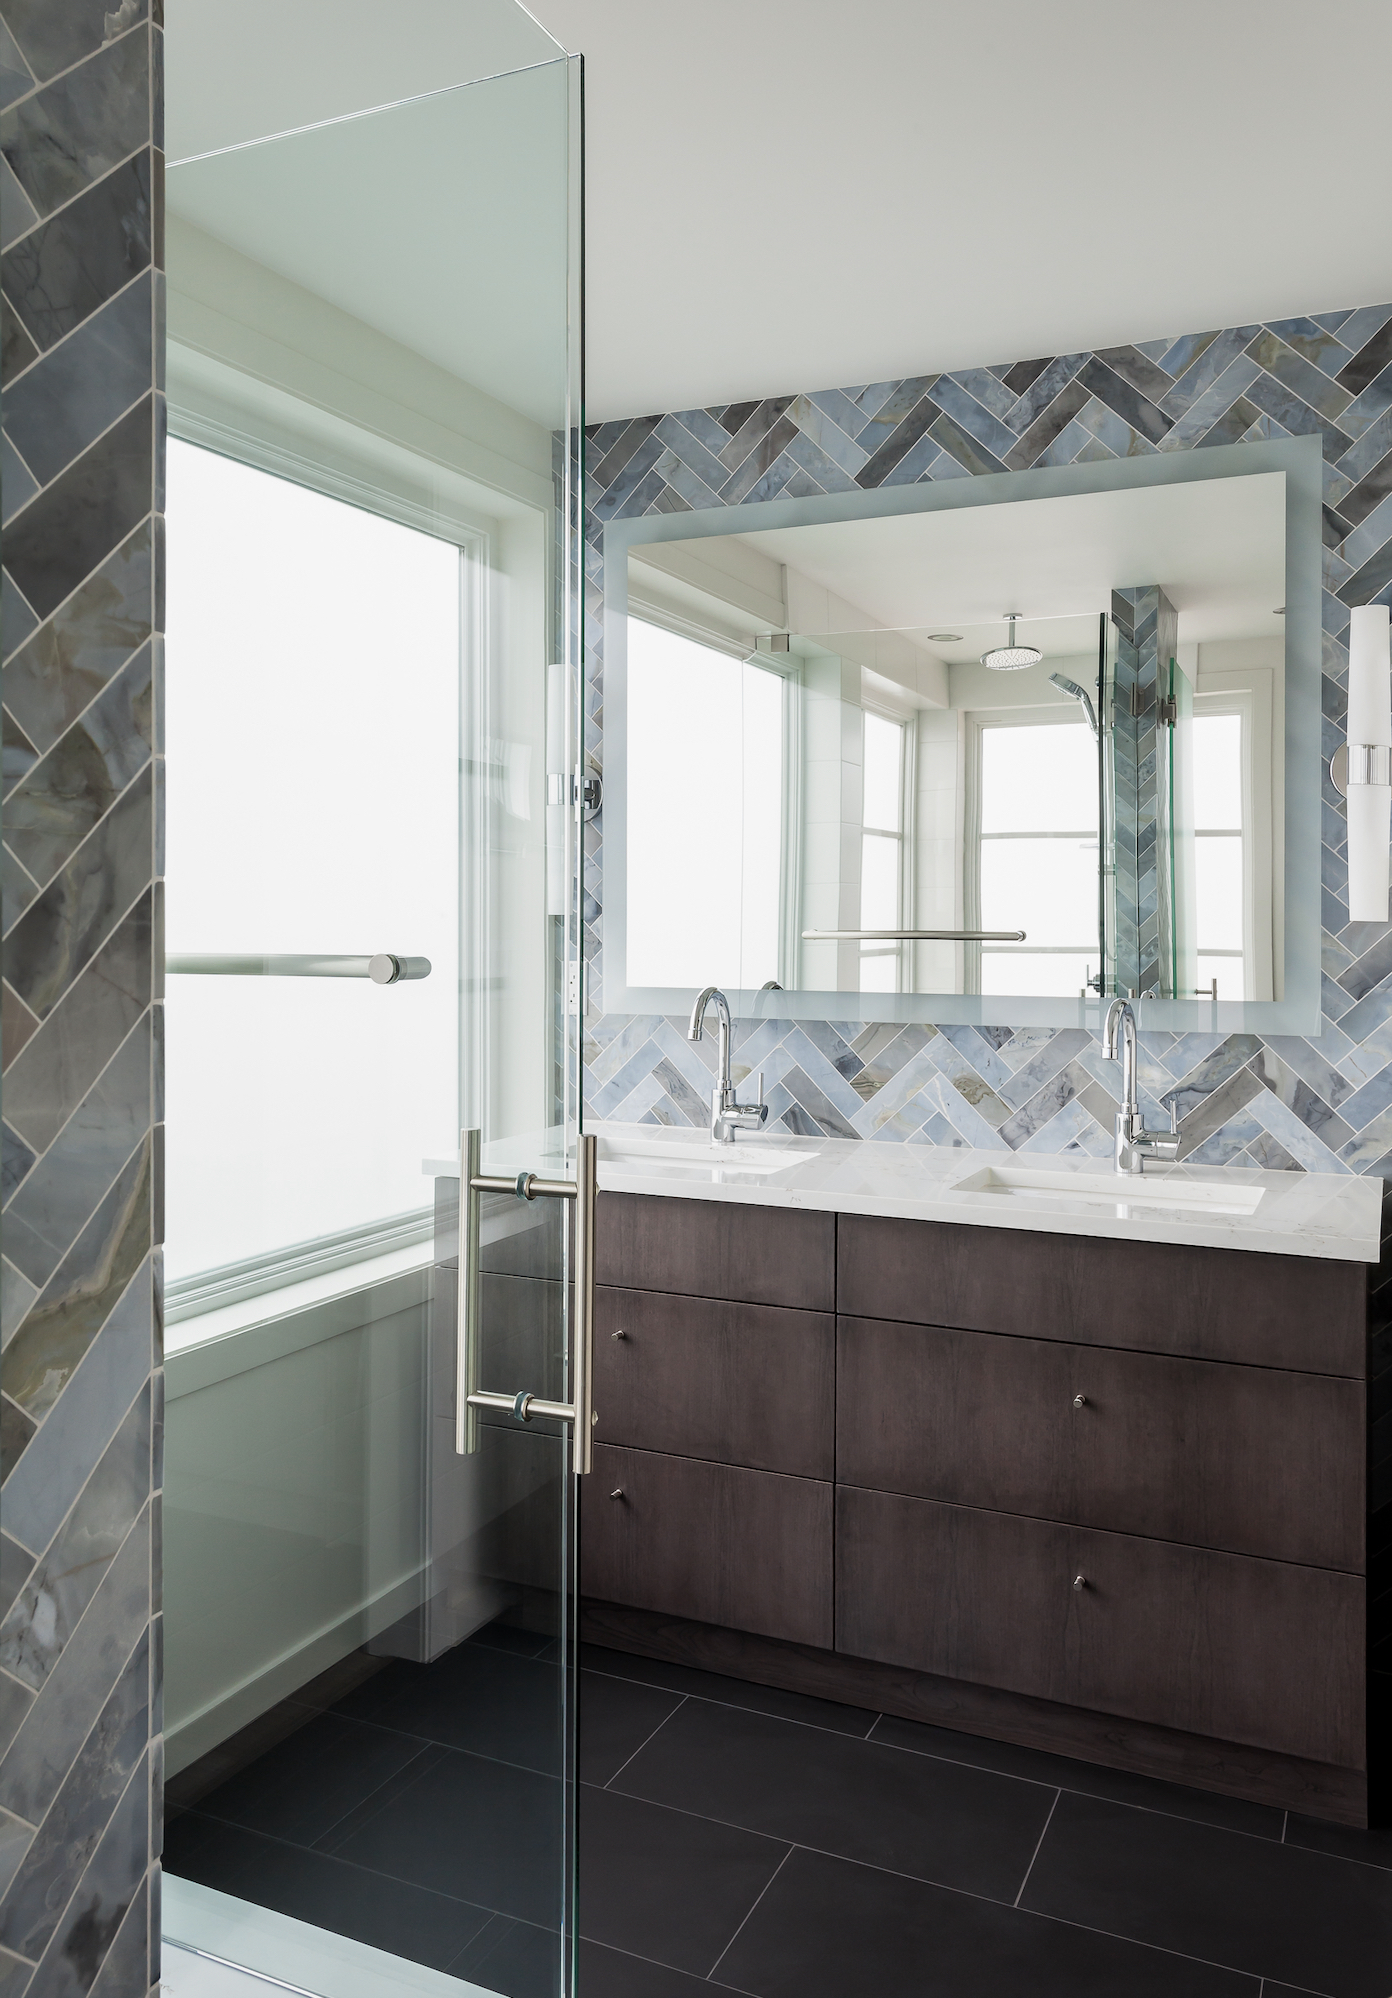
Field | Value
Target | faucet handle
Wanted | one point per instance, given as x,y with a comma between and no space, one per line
1174,1116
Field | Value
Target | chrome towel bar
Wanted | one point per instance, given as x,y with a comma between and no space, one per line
913,936
384,969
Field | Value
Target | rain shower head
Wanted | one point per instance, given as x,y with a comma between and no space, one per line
1010,657
1072,688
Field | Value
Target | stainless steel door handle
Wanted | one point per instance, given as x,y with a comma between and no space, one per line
470,1397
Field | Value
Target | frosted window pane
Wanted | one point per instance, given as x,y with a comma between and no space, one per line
1020,975
879,883
880,974
1218,771
313,804
1038,779
704,814
884,741
1218,871
1045,887
1227,970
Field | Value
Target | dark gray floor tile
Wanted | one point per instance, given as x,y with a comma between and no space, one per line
490,1702
941,1821
327,1892
610,1973
461,1824
503,1637
828,1929
516,1958
206,1850
665,1885
1373,1848
303,1786
1271,1910
616,1717
1089,1778
732,1692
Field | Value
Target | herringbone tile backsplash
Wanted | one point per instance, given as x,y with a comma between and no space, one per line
1321,1104
79,1553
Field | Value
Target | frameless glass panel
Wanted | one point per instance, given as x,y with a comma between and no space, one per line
372,701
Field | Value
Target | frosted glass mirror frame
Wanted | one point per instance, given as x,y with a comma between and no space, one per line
1296,1012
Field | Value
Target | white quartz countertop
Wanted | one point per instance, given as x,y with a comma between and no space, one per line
1335,1215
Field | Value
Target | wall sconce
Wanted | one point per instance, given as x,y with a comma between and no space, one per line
1362,769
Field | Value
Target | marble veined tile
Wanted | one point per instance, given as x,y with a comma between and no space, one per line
49,1608
62,1321
53,1730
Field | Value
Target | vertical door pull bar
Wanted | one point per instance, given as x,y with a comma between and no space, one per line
470,1396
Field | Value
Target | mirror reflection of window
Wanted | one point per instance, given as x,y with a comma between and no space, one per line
1218,852
705,813
1038,856
882,851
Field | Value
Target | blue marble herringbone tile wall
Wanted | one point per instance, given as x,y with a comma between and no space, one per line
1319,1105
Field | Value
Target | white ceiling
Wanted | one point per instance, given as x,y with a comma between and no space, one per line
1216,546
784,194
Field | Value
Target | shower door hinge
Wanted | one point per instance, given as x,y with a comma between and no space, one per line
575,989
562,789
1167,711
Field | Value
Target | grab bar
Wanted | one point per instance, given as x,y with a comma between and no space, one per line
384,969
913,936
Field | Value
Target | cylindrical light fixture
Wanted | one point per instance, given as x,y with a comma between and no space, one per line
1369,763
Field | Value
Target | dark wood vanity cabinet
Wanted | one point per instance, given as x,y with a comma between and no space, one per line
1103,1497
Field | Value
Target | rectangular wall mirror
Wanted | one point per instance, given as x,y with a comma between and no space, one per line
999,759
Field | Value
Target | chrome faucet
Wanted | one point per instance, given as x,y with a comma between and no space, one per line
1134,1143
727,1115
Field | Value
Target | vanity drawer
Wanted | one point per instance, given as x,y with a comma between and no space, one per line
712,1542
746,1384
1213,1304
1247,1459
717,1248
1259,1652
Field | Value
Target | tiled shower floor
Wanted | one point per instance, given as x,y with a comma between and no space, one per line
736,1838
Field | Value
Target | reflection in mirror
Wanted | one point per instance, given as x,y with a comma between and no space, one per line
833,786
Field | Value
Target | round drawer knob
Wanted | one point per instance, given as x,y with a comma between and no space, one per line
617,1492
1080,1401
1080,1581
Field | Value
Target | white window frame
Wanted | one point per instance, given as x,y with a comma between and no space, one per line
1249,694
903,720
259,443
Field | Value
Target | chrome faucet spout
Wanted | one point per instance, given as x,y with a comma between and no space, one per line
727,1114
1133,1143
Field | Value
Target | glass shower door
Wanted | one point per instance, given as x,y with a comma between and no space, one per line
372,938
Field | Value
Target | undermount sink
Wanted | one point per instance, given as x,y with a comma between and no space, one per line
749,1157
1121,1194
